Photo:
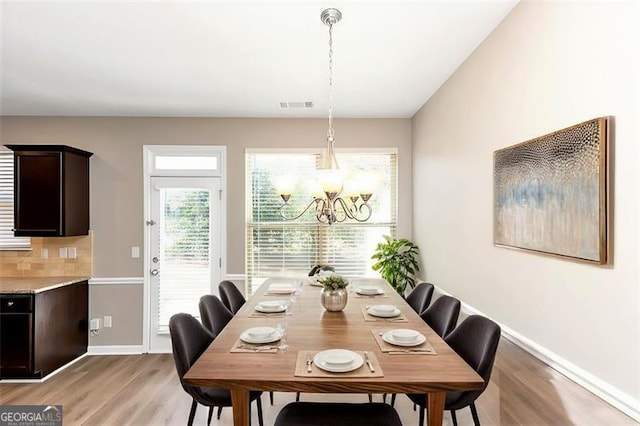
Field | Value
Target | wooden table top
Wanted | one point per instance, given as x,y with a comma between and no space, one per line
310,327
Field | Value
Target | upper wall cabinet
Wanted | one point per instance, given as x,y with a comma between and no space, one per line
51,190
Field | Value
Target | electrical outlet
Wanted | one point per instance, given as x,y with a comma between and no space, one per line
62,252
107,321
44,253
95,324
71,252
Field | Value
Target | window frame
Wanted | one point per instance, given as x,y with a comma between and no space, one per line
320,230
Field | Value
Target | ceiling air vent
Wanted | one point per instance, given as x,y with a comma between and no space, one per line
307,104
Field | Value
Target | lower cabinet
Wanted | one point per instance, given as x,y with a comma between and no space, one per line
41,332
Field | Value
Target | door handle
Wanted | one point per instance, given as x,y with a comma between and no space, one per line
155,259
154,272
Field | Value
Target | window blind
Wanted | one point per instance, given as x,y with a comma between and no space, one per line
7,240
275,246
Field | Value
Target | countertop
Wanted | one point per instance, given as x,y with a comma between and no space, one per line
32,285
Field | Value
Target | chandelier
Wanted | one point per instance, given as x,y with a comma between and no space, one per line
329,206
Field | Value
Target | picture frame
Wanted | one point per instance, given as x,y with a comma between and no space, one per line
551,193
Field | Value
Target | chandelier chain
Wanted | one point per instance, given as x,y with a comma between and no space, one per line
330,131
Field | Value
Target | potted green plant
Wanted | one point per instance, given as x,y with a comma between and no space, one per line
397,261
334,292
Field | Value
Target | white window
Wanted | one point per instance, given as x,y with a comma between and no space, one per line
275,246
7,240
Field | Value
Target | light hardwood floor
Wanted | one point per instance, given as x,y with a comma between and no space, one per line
144,390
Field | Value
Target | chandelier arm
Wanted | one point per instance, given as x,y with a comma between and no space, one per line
285,217
369,211
339,206
358,210
323,212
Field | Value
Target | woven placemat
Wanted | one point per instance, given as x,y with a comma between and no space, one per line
256,314
388,348
371,318
370,296
255,348
363,371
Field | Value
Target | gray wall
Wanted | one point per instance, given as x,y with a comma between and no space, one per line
546,67
117,181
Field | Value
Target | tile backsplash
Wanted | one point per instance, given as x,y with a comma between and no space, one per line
29,263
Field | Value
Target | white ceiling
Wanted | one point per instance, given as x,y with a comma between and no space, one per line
233,59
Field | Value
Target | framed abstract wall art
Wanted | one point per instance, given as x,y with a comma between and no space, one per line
551,193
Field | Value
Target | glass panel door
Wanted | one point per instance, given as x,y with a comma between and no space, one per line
185,250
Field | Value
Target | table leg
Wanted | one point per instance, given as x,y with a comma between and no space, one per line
241,411
435,408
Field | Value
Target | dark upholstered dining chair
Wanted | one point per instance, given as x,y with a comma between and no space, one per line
214,315
442,315
189,339
231,297
476,341
338,413
420,297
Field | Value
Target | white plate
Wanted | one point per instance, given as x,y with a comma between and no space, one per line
270,307
273,337
281,288
384,314
369,290
338,357
320,362
388,337
404,335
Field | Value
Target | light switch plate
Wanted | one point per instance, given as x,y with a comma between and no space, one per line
71,252
135,251
62,252
44,253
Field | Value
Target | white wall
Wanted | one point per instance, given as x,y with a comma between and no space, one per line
547,66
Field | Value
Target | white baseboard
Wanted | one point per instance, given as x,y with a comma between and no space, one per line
115,350
612,395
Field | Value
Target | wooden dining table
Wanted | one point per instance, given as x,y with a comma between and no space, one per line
309,327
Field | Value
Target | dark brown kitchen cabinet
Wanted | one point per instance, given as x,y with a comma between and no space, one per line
41,332
51,190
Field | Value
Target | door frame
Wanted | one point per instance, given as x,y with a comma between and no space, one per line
149,152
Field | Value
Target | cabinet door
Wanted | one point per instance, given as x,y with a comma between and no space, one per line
15,341
38,194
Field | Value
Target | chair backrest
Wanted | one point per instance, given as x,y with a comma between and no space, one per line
214,315
420,297
231,297
476,341
189,339
442,315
